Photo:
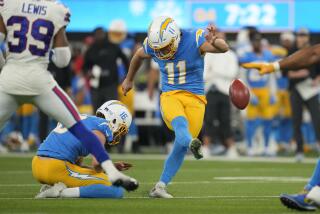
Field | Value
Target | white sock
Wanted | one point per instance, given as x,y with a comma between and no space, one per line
161,184
111,170
70,193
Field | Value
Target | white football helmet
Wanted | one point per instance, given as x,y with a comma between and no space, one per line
118,117
164,37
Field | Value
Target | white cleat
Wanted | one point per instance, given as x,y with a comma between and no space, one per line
299,157
251,152
51,192
3,149
314,195
206,152
232,153
159,191
25,147
44,187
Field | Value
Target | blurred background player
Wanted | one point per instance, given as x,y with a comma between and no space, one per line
28,116
283,124
179,55
260,111
303,58
31,82
100,62
80,88
118,35
219,71
298,82
58,163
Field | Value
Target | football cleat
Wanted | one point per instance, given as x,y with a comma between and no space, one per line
129,184
297,202
159,191
195,148
314,195
44,187
51,192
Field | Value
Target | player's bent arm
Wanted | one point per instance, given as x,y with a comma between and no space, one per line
136,62
61,54
218,46
301,59
95,164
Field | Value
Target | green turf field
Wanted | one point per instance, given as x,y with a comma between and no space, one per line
201,187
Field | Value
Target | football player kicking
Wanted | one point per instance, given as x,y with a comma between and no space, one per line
31,30
179,54
58,163
301,59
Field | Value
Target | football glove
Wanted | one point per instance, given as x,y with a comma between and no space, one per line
264,68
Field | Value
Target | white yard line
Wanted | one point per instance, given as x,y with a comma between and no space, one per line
6,172
188,157
216,180
229,197
263,178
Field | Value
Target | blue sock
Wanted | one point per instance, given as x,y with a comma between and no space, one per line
251,126
180,148
90,141
181,131
286,130
267,130
101,191
315,178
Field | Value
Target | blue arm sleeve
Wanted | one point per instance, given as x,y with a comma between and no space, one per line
90,141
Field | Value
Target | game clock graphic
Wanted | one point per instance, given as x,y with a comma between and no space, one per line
231,15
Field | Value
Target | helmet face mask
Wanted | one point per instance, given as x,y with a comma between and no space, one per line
166,52
118,117
118,134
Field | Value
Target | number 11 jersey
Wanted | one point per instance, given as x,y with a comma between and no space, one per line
31,26
185,70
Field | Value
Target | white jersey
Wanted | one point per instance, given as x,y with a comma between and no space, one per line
31,26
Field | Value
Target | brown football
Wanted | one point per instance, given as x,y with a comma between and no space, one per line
239,94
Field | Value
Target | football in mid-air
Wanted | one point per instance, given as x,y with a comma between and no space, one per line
239,94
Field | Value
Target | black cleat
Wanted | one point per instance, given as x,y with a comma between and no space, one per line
297,202
195,148
130,185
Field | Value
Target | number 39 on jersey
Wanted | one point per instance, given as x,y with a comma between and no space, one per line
41,31
31,26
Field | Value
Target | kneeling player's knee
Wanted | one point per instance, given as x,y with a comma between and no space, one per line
118,192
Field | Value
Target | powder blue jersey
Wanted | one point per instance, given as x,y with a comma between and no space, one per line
254,79
62,145
185,70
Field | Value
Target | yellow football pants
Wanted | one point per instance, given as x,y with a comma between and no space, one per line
51,171
264,109
283,105
182,103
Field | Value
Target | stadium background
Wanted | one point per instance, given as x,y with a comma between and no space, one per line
133,17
